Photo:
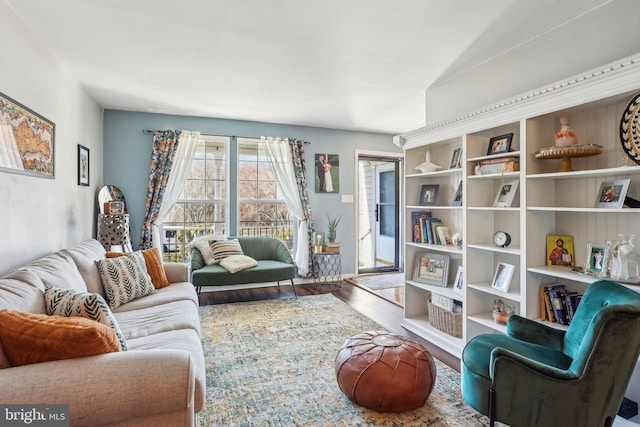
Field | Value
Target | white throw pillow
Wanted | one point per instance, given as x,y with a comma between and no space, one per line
125,278
235,263
71,303
203,244
223,249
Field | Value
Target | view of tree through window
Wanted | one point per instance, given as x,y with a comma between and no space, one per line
262,211
202,206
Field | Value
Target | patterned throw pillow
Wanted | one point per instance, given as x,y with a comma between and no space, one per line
125,278
71,303
153,261
225,248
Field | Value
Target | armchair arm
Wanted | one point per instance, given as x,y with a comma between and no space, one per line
176,272
501,357
535,332
109,388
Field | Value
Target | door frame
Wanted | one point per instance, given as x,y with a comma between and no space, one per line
383,155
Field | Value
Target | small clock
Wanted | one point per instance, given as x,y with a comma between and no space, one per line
502,239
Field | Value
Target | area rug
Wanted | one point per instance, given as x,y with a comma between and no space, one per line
377,282
271,363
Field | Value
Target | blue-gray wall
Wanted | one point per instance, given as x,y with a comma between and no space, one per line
127,152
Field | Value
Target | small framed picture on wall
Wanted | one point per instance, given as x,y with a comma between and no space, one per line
83,165
327,176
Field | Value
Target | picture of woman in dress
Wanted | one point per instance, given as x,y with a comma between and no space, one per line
328,181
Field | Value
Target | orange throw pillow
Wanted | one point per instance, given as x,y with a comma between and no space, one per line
155,268
34,338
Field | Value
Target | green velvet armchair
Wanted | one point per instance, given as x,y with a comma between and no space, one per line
536,375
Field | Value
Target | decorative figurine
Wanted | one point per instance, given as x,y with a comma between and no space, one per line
565,136
427,166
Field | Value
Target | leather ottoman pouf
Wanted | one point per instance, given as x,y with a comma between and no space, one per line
384,372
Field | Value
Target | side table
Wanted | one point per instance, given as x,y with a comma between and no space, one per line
329,268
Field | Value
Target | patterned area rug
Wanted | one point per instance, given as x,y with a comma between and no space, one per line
271,363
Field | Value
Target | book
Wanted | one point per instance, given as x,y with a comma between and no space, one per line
569,298
429,229
417,218
434,232
444,235
548,301
556,296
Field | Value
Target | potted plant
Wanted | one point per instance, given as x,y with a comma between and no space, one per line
333,222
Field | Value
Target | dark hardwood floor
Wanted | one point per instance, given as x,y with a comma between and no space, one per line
385,313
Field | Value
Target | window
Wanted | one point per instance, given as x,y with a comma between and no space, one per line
261,210
202,207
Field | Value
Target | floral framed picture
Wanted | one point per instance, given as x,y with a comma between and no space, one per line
612,193
429,195
506,193
458,284
500,144
432,269
83,165
597,259
502,277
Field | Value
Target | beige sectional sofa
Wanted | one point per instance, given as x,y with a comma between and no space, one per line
158,381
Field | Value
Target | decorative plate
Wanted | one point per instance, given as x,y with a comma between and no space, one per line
630,129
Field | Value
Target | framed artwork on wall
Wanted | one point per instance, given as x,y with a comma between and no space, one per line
28,140
83,165
327,176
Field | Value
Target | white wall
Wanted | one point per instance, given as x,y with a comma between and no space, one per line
37,215
606,34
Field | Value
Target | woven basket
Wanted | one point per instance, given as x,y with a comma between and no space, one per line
445,320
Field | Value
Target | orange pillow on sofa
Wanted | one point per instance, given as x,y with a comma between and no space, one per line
33,338
153,261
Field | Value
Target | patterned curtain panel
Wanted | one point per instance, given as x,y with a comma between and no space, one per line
165,145
297,156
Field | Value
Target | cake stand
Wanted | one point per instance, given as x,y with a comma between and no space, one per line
568,153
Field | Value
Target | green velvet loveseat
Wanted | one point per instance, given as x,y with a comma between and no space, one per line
274,264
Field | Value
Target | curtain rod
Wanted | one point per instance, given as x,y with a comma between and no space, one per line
226,136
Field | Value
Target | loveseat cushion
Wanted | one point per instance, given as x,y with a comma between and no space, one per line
70,303
264,271
34,338
125,278
235,263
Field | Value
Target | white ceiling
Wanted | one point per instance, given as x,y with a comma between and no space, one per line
345,64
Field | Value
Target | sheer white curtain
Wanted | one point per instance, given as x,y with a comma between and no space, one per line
187,145
279,157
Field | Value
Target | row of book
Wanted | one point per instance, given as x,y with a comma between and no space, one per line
429,230
557,304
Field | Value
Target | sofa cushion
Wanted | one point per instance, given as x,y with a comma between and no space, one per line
265,271
59,270
154,264
180,291
33,338
68,303
235,263
85,254
157,319
125,278
224,248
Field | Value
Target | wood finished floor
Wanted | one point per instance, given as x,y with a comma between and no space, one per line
381,310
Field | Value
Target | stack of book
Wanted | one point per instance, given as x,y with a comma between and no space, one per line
557,304
429,230
499,165
333,247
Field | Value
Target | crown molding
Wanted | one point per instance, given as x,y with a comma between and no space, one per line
608,80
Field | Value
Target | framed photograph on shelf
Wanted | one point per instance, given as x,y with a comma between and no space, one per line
432,269
597,259
502,277
506,193
455,158
83,165
429,195
612,193
458,284
560,250
500,144
457,199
